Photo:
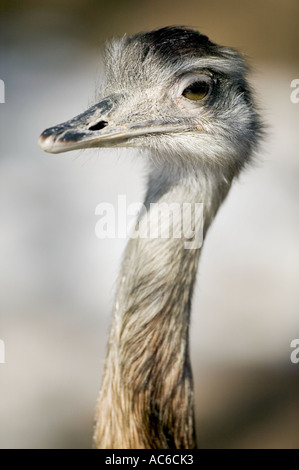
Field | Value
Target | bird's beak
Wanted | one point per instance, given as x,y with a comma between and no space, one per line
99,127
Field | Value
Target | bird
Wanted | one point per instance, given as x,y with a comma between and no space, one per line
186,103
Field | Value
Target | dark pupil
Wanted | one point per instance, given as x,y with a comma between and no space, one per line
197,90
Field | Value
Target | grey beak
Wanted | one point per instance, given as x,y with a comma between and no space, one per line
96,128
80,132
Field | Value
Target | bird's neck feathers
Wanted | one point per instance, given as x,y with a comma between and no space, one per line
146,399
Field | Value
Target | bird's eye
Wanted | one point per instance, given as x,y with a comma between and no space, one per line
197,90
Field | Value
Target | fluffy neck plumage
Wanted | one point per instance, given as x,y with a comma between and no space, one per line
146,400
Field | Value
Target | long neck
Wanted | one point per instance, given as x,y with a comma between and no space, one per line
146,400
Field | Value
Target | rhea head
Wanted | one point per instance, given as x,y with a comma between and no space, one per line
174,92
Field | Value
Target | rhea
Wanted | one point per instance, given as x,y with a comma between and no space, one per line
188,102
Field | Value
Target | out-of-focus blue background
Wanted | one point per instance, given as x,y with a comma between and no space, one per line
57,279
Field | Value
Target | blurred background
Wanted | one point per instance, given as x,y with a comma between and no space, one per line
57,279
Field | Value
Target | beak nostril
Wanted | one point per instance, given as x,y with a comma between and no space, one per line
98,126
